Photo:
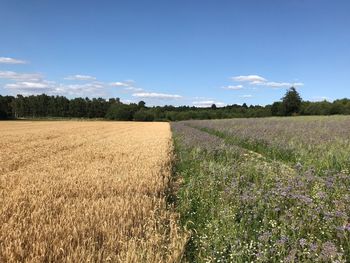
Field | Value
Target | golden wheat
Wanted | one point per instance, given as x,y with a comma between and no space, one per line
86,192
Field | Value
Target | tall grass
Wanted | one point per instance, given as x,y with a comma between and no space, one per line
246,207
320,142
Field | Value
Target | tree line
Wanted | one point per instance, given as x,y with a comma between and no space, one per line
44,106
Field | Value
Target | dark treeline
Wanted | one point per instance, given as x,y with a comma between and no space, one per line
44,106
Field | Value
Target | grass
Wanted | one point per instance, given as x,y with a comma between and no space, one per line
321,142
258,146
246,207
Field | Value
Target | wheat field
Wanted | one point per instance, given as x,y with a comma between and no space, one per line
75,191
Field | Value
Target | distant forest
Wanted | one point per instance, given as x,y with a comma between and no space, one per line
44,106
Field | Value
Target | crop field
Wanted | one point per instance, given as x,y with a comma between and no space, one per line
237,190
86,192
265,190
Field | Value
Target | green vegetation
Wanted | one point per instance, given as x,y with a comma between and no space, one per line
318,142
265,190
290,105
40,106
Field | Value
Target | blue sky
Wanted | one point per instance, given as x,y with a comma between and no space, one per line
192,52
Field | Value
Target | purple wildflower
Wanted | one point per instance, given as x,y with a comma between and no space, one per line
329,251
302,242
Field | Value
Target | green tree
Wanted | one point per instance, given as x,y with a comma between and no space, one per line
291,102
77,108
276,109
141,104
121,112
143,115
6,111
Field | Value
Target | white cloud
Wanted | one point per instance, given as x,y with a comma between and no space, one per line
87,89
207,103
34,83
249,78
120,84
260,81
246,96
298,84
202,98
128,86
154,95
32,87
20,76
281,84
233,87
27,85
6,60
53,88
80,77
133,89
